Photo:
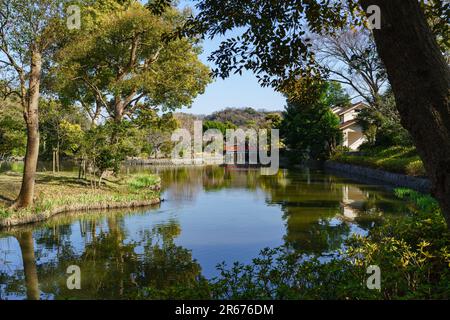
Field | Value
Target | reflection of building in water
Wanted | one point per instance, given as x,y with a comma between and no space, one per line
352,203
235,156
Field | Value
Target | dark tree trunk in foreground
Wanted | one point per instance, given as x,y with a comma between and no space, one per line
420,79
31,116
29,264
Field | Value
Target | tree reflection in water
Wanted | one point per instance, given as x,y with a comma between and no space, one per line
119,260
153,267
320,210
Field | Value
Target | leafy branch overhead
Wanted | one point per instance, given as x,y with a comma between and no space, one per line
274,40
275,37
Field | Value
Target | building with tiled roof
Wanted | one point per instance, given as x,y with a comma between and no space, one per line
352,132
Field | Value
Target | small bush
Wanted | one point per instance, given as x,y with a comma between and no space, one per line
3,213
341,150
143,181
415,168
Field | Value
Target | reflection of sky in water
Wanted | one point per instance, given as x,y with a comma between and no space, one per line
228,217
229,234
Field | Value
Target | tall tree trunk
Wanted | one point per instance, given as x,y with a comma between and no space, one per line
118,117
420,79
29,264
118,111
31,116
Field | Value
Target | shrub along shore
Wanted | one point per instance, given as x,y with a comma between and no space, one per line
64,192
397,159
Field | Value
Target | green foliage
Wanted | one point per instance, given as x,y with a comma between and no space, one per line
335,95
21,33
274,121
309,127
107,146
72,137
381,124
14,167
393,151
415,168
222,127
12,130
413,255
437,13
195,288
413,251
119,63
272,42
242,118
158,6
156,132
3,213
341,150
61,127
424,203
137,183
397,159
280,274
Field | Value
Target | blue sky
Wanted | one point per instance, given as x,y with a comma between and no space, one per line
235,91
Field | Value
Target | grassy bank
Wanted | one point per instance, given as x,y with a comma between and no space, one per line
61,192
397,159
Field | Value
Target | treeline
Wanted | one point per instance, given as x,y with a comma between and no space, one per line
243,117
231,118
65,128
94,91
67,132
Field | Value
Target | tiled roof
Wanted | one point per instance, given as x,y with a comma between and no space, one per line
347,124
341,111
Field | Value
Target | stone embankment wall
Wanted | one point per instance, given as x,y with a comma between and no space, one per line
394,179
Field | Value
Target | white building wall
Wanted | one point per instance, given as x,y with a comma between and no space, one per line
353,137
350,116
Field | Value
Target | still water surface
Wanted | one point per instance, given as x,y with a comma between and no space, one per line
209,215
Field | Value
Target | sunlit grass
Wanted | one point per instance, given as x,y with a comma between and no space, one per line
423,202
395,159
139,182
65,190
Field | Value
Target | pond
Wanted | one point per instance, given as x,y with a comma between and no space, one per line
209,215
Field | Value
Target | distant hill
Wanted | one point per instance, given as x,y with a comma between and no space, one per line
243,118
